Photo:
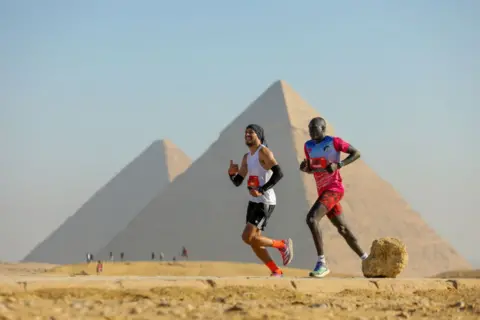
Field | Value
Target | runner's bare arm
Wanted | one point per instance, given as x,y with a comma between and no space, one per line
268,162
237,178
345,147
267,159
243,167
353,155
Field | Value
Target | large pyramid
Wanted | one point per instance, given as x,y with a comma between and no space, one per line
113,206
205,212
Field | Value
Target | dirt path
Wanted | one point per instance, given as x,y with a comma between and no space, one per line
92,297
222,290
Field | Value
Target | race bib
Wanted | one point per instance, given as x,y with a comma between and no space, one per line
253,182
317,163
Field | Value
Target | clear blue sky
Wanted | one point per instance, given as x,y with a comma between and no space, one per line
87,85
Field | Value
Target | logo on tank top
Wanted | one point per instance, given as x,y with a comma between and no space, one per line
318,162
253,182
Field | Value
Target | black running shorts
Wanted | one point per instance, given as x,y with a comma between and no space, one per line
259,213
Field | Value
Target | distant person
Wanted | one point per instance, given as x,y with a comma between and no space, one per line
184,253
88,257
264,172
122,255
99,267
174,259
323,160
161,256
111,256
153,255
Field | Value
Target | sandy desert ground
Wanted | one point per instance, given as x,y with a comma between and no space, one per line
207,290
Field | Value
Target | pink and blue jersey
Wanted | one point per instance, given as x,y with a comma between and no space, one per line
319,155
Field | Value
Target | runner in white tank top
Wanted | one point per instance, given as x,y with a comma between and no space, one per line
263,173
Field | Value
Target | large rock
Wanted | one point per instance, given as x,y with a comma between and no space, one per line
388,257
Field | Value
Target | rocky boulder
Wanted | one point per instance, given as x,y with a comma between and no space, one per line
388,258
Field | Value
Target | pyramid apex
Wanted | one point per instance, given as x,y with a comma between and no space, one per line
280,82
273,106
283,86
283,82
164,143
169,144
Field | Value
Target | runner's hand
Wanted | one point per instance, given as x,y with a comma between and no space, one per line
304,166
255,193
331,167
233,169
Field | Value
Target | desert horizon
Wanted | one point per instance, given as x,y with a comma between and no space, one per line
175,267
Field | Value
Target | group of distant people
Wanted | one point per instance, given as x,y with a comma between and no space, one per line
161,256
122,256
323,160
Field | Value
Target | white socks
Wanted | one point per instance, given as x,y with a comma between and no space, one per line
324,262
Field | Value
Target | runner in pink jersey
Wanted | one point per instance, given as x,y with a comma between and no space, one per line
323,160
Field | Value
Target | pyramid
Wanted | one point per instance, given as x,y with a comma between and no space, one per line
203,211
112,207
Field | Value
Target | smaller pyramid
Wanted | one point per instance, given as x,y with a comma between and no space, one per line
113,206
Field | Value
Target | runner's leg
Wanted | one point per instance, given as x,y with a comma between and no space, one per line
257,218
316,213
251,232
325,202
338,220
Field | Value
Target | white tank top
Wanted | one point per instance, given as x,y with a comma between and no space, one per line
258,176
